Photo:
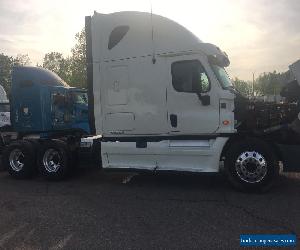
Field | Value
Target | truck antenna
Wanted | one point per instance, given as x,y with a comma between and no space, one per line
152,35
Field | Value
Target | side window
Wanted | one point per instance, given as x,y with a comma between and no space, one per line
116,35
189,76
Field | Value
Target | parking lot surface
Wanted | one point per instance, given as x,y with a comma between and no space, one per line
98,210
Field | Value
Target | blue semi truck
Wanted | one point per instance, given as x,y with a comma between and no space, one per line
48,119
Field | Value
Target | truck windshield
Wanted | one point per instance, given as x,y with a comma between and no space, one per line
80,97
222,76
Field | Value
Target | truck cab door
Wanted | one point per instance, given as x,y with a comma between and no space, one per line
192,99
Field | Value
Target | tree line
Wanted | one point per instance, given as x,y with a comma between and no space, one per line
267,83
72,69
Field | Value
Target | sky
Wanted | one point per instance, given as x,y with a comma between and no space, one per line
258,35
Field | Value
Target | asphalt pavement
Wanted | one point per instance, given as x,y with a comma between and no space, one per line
98,210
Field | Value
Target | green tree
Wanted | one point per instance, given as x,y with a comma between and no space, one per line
22,60
6,64
71,69
242,86
269,83
78,61
56,62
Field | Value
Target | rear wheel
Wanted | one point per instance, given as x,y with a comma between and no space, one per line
251,165
55,160
19,158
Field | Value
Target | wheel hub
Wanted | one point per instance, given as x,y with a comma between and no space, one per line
251,166
52,160
16,160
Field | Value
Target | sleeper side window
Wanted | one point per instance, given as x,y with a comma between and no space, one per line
117,35
190,77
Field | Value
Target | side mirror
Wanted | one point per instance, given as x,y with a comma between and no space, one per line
205,99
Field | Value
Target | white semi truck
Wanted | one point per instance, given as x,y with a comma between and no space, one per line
161,100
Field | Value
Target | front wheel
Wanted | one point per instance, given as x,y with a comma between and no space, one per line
251,165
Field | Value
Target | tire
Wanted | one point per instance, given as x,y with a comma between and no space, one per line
251,166
19,158
55,160
2,144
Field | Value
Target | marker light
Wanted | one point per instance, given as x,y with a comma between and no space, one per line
226,122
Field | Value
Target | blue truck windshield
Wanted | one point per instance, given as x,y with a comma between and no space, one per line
80,98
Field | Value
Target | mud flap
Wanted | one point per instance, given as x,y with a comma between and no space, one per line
290,157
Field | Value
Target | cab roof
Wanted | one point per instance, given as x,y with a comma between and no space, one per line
131,34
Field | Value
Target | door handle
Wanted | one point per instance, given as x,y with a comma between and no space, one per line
173,119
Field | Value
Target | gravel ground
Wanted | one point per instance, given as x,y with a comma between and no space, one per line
98,210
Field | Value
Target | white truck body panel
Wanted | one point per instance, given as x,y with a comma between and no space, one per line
3,95
133,54
130,89
4,119
193,156
168,36
4,108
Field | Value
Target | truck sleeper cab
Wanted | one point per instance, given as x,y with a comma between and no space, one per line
161,100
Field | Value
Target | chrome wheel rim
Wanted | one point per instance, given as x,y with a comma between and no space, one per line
16,160
52,160
251,167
